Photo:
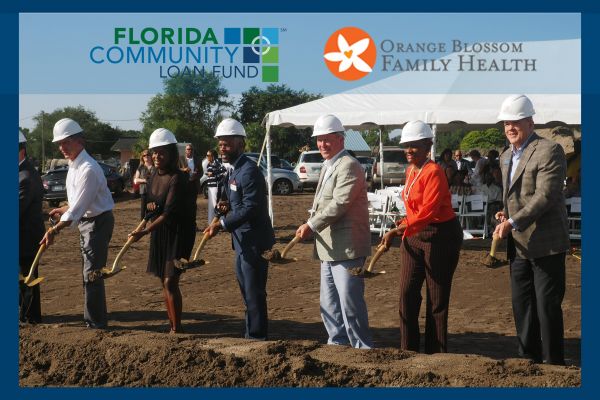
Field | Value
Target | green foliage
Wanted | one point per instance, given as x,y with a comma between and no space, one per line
99,136
372,138
256,103
483,141
449,140
190,107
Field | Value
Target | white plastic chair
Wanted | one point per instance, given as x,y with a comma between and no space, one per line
474,214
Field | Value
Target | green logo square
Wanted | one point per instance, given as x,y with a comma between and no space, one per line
270,55
270,73
250,34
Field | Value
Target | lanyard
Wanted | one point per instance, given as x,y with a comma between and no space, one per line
407,190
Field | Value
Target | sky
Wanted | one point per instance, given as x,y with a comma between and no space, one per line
56,70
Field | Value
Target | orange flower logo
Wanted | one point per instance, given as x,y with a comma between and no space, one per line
350,53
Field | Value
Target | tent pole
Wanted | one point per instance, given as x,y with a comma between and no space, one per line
381,155
262,149
434,130
269,175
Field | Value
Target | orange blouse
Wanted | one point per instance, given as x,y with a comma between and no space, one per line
429,199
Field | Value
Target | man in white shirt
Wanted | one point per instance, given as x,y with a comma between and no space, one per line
90,207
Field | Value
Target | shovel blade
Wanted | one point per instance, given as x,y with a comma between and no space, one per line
107,273
35,282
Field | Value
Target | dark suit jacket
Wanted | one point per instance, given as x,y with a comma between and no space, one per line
534,199
248,218
31,222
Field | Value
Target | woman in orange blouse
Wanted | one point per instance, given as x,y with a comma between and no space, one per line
431,242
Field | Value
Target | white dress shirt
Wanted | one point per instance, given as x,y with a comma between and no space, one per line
87,192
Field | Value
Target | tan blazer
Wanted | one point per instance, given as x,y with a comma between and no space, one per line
341,212
534,199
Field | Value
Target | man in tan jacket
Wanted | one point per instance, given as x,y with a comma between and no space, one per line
535,221
340,224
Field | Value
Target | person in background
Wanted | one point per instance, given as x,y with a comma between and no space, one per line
214,171
534,220
340,225
448,165
476,177
142,174
430,247
89,207
31,231
172,235
248,221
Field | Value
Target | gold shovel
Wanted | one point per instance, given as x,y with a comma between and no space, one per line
276,257
29,279
368,273
184,264
490,260
116,268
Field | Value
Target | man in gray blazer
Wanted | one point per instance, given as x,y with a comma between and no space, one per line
340,224
535,221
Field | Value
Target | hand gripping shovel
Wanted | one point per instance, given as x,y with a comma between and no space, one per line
29,280
490,260
279,258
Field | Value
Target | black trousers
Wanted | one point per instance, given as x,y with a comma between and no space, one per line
431,256
30,309
538,289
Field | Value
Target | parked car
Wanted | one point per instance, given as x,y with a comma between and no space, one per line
308,168
54,182
284,181
394,167
276,162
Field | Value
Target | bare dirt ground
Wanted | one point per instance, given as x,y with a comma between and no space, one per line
136,350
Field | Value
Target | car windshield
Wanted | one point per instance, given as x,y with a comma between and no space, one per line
312,158
395,157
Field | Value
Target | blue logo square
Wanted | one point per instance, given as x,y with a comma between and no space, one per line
252,55
272,34
233,36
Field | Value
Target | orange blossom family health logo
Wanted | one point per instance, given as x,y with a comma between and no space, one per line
350,53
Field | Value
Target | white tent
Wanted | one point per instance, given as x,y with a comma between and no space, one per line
385,104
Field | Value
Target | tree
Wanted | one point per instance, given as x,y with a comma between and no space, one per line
483,141
99,136
372,138
256,103
191,107
449,140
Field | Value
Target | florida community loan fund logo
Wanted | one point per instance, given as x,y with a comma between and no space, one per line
350,53
238,53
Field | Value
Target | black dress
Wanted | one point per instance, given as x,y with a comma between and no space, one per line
174,239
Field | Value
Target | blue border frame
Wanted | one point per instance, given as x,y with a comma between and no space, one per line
590,103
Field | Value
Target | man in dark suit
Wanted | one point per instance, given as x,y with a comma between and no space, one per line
535,221
193,167
463,166
31,231
248,221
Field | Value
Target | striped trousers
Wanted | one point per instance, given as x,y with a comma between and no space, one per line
431,256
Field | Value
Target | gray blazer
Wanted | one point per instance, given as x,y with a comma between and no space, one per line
534,199
341,212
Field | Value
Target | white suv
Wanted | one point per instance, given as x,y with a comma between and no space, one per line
308,168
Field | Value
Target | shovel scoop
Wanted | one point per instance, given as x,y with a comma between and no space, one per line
368,273
277,257
490,261
195,262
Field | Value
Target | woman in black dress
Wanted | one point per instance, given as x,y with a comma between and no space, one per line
172,232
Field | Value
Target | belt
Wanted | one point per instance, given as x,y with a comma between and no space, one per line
91,219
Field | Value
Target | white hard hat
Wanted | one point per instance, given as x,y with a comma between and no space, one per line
415,130
328,124
22,138
161,137
64,128
230,127
516,107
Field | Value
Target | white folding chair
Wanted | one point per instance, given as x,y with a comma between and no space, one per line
473,215
574,217
378,208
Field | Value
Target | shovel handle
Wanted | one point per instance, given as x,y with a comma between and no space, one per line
203,241
495,240
289,246
378,253
125,247
35,262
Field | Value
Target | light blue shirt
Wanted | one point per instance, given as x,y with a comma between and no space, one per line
516,157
